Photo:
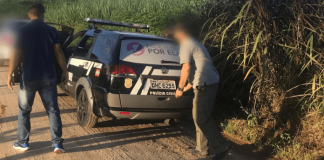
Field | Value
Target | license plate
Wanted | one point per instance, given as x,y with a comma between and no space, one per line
163,84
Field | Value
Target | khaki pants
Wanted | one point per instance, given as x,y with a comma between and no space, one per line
206,128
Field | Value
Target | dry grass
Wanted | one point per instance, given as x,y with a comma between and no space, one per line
242,130
309,141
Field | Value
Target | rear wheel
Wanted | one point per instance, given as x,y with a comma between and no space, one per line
85,117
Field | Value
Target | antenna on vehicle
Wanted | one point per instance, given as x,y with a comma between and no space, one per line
112,23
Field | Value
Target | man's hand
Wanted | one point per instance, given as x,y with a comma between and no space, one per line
64,78
10,82
178,94
13,65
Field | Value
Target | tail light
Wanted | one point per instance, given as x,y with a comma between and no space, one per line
117,71
122,69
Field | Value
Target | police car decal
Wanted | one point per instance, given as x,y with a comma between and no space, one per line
155,87
139,82
148,52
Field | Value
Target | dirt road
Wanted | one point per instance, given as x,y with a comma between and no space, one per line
112,139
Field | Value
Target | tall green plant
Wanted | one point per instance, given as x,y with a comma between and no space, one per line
158,14
274,48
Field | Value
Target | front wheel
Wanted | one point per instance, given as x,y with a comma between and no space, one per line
85,116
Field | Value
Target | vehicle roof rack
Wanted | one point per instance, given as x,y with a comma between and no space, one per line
112,23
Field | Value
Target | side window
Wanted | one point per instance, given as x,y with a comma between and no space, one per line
102,48
88,43
84,47
75,42
72,47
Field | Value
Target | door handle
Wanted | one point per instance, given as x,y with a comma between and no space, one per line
163,98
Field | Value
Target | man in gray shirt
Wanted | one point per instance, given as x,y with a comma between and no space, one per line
201,75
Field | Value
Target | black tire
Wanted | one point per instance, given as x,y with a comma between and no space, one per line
85,116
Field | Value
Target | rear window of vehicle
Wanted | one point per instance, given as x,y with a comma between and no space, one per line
148,51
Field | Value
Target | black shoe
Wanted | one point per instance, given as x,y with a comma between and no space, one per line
221,155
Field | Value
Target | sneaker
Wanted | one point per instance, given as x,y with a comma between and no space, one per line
58,148
22,147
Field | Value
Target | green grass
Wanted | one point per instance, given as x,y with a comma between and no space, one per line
156,13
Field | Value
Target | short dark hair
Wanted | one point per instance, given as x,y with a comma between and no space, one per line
37,9
167,32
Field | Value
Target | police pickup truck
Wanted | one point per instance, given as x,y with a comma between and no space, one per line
123,74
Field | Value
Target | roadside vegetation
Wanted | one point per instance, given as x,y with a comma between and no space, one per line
156,13
269,54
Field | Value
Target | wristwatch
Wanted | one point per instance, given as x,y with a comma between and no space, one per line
180,89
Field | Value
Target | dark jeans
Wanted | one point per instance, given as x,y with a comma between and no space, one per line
48,93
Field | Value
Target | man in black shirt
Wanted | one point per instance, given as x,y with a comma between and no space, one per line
37,46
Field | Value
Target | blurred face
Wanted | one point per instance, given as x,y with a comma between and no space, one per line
31,16
179,36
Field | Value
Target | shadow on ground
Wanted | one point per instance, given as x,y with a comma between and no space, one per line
106,140
109,139
124,122
34,115
11,134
